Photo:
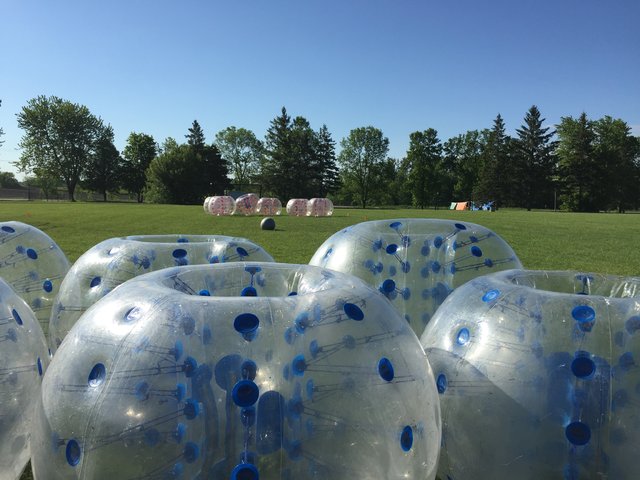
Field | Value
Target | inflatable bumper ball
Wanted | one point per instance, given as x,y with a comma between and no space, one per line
33,265
24,357
269,206
297,207
320,207
415,262
221,205
538,376
242,371
205,204
114,261
246,204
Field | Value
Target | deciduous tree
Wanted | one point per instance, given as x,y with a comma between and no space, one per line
60,137
8,180
363,151
579,171
616,154
183,175
140,150
242,150
104,173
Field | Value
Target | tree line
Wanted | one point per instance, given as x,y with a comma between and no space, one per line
581,165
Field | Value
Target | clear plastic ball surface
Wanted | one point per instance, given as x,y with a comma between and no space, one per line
269,206
220,205
246,204
416,262
112,262
23,360
320,207
240,371
33,264
538,376
297,207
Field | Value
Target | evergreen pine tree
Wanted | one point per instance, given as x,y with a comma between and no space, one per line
275,178
496,174
195,137
329,181
534,162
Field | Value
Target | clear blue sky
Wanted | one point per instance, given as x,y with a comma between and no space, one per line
154,66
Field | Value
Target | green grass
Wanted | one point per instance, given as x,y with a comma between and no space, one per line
604,243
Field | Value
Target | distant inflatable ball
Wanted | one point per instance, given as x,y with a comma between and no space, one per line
205,204
416,262
269,206
320,207
23,358
538,376
239,371
268,223
33,264
246,204
297,207
112,262
220,205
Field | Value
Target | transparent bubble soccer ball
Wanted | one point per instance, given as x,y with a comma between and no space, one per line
416,262
33,265
113,261
538,376
239,371
220,205
319,207
297,207
269,206
246,204
23,359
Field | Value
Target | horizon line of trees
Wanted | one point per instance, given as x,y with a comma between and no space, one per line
582,165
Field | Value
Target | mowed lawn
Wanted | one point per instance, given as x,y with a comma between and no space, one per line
604,243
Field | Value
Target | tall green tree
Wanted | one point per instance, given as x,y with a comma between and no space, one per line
578,168
329,175
305,161
60,138
363,152
462,156
426,170
139,151
184,175
534,161
195,137
616,154
104,172
8,180
277,171
496,173
242,150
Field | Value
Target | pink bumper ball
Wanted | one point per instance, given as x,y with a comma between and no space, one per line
320,207
221,205
297,207
269,206
246,204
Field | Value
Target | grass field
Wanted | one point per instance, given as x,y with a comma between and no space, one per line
604,243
